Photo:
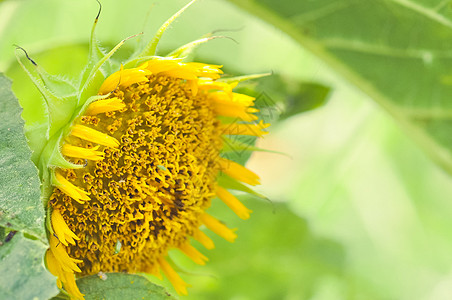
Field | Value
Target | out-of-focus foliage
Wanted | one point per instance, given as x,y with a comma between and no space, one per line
358,211
396,51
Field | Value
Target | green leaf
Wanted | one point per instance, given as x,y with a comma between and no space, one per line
22,272
20,205
307,96
397,51
118,286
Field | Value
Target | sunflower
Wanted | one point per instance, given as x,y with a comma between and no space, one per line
133,158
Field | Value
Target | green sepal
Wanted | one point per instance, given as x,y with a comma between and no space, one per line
92,88
187,49
52,157
60,113
151,47
228,182
53,180
46,190
90,84
49,221
95,53
59,86
35,133
59,108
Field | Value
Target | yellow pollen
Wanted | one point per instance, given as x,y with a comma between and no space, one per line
94,136
218,227
80,152
103,106
238,172
233,203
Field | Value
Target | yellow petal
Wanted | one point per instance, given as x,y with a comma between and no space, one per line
67,263
193,86
244,129
154,270
80,152
92,135
205,70
61,229
103,106
71,190
182,73
203,239
218,227
71,286
156,66
59,283
52,264
208,84
242,98
233,203
194,254
174,278
62,276
225,106
173,67
124,78
238,172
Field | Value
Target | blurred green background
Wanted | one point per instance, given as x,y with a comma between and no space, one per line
356,210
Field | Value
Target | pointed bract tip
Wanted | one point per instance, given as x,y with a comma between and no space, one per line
26,54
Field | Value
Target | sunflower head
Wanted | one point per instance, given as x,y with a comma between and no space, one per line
132,158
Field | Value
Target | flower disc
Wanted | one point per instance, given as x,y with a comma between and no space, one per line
146,194
131,160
